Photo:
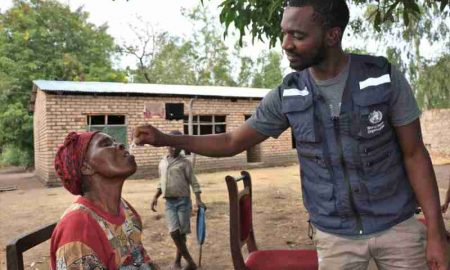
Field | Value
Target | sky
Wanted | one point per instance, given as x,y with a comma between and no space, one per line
166,15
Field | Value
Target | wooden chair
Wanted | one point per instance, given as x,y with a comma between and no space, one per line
242,233
16,248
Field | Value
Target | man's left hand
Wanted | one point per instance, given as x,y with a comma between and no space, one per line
438,253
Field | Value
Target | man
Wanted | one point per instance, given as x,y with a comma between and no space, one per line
176,176
356,125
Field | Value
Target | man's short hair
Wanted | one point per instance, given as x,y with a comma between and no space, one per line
333,13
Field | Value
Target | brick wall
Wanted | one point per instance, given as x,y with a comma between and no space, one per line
436,130
56,115
42,154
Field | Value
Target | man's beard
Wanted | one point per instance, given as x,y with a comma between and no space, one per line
316,59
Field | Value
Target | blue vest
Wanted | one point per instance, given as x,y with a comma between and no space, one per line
353,177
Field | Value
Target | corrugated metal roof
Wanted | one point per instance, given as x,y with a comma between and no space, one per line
142,88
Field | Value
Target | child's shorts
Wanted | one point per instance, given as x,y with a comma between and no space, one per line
178,214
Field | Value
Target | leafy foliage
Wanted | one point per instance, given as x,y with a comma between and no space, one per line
433,89
45,40
202,59
148,43
13,156
401,25
405,37
173,64
269,74
211,58
261,19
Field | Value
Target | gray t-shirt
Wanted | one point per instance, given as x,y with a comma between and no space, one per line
333,89
269,119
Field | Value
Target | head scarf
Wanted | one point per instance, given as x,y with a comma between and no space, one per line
69,159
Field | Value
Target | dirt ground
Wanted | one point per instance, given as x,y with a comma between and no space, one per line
279,216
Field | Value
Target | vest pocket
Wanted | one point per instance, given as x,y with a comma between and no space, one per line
315,164
385,184
370,147
381,161
318,196
373,119
300,112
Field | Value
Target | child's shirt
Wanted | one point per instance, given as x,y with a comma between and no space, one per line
176,175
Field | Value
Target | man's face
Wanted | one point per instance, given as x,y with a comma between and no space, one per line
303,37
173,152
109,158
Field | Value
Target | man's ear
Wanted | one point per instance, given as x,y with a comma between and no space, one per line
333,36
86,169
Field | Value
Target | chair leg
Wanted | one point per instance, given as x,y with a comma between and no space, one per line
14,259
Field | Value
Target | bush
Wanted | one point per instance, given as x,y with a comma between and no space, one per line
11,155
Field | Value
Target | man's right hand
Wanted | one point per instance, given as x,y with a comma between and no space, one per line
147,134
154,204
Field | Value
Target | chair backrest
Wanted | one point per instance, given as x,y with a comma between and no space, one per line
241,224
16,248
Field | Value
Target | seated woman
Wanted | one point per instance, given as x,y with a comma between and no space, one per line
100,230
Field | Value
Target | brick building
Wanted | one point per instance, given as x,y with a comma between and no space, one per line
435,130
116,108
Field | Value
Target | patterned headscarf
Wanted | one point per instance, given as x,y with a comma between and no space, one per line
69,159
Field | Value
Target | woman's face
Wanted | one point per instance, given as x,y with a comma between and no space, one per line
109,158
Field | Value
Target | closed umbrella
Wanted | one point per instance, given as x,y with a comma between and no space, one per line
201,231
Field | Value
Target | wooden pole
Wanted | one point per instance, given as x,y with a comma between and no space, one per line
191,128
200,257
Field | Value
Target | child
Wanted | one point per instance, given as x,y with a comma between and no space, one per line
176,175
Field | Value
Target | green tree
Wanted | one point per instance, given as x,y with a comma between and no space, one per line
203,59
45,40
404,37
148,42
246,72
394,55
173,64
269,74
212,64
261,19
244,66
400,25
432,88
